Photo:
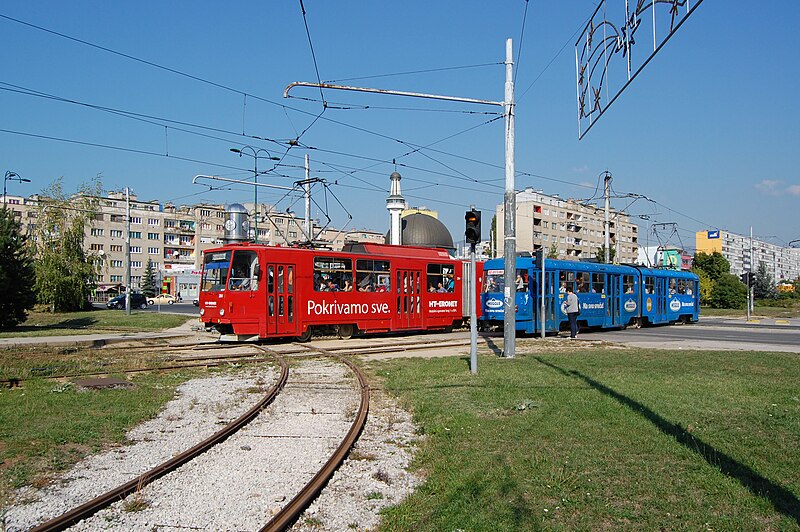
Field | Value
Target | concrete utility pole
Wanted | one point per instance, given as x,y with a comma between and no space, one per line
606,222
509,199
128,251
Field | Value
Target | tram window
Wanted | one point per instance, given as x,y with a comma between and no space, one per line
682,286
584,283
215,271
372,275
441,278
598,283
566,280
290,281
271,279
244,271
332,274
493,281
280,279
649,284
521,281
672,285
627,283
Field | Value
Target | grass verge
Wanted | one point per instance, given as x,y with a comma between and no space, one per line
94,321
603,438
47,426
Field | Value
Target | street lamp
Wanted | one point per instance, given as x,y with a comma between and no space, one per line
14,176
255,155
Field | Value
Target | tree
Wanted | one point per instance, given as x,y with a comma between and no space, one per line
17,276
601,254
728,292
763,283
149,287
706,286
714,264
553,251
65,273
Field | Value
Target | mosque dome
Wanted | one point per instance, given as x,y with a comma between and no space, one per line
425,231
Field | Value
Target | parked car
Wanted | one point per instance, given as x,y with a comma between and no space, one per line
161,299
137,301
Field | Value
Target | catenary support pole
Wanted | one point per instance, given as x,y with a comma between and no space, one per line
509,218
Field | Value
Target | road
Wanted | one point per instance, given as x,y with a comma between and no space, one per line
709,333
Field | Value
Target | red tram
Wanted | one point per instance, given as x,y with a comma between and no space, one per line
252,290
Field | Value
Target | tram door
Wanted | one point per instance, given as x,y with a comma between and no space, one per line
281,299
614,291
409,302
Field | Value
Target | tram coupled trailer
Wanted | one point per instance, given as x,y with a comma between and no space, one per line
609,296
258,291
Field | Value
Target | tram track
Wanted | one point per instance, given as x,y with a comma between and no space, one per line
290,511
91,507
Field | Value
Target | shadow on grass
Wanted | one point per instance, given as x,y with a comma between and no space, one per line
783,500
74,323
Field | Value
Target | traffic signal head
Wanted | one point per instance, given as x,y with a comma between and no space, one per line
473,226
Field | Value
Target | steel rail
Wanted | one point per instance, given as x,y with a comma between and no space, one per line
98,503
289,513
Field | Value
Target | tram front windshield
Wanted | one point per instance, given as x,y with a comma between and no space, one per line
215,271
493,281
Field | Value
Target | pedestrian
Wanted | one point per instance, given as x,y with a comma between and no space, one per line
572,309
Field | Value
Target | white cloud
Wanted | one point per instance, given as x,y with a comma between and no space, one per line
769,186
794,190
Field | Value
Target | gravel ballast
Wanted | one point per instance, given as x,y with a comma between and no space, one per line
241,483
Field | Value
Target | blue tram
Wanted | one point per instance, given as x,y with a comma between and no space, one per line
609,295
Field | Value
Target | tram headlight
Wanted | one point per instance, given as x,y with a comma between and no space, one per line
202,311
222,312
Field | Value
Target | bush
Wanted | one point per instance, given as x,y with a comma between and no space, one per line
728,292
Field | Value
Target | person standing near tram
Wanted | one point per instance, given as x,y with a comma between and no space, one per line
572,309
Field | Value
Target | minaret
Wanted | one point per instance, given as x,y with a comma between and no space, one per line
395,205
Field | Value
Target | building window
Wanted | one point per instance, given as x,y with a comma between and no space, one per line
96,247
136,249
205,213
136,234
118,218
152,222
153,251
153,236
116,248
97,232
116,278
117,264
116,233
136,264
136,220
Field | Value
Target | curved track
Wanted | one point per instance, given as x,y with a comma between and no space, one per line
90,508
303,499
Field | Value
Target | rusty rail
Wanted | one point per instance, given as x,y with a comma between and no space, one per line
98,503
289,514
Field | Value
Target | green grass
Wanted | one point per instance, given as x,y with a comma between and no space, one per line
47,426
597,438
93,321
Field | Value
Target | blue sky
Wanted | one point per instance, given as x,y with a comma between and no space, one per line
707,130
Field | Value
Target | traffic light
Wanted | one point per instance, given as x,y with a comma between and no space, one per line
473,226
745,277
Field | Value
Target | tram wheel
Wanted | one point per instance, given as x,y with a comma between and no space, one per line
346,332
305,336
636,323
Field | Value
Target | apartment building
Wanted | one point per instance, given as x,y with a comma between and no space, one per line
574,229
745,254
173,237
